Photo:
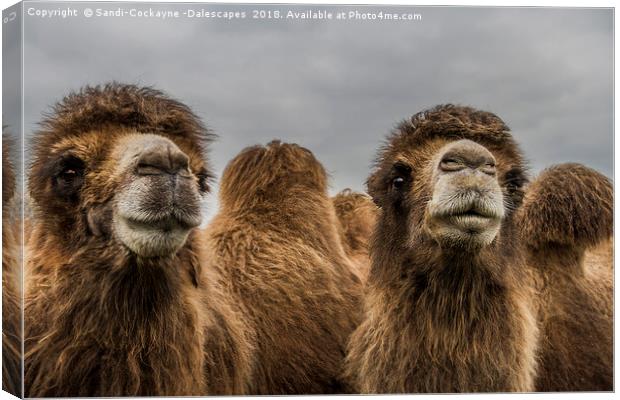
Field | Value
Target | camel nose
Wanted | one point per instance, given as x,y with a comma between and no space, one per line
465,154
161,156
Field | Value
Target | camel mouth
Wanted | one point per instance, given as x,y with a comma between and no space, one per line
465,217
469,222
149,235
474,210
474,218
162,220
153,215
164,225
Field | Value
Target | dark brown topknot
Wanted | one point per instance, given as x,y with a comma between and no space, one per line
144,109
451,122
461,122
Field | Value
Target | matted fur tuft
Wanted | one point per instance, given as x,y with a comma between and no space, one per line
456,121
142,109
568,204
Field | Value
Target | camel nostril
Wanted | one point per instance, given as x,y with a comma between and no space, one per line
162,157
489,168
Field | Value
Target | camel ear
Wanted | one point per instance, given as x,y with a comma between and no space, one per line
568,204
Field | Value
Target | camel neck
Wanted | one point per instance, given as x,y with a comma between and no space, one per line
131,320
452,290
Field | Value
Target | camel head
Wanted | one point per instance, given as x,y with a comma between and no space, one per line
451,176
123,164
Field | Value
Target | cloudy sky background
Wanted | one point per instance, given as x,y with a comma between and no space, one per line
338,87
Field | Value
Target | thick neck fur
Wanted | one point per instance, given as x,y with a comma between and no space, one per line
462,316
105,323
456,289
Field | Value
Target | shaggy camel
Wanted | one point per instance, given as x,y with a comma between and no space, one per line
11,277
566,223
275,245
357,215
116,301
479,282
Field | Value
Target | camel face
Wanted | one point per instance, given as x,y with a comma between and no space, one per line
140,190
466,206
451,179
158,202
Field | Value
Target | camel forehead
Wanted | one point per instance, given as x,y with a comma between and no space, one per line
420,152
95,144
417,153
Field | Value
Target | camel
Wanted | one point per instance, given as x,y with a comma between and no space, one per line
276,247
116,300
566,224
11,274
479,280
357,215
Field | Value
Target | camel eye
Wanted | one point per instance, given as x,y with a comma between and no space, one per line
398,182
400,176
68,174
451,164
69,177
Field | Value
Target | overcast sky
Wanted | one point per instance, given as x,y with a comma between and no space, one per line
338,87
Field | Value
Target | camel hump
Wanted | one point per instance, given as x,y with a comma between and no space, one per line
567,205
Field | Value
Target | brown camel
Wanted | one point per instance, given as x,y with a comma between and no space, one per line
566,222
357,215
116,300
11,274
275,245
478,281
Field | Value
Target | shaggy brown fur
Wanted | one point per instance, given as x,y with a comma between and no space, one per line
11,277
566,220
494,317
357,215
102,319
275,245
